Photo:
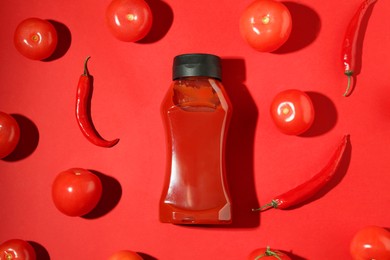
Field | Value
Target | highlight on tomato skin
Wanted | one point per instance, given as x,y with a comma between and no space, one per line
35,38
265,25
292,111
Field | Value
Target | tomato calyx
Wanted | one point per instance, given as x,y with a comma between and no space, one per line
269,252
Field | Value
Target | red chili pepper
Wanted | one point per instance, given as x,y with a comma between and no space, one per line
309,188
83,97
350,42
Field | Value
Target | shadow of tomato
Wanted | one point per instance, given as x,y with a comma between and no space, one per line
111,195
306,25
28,142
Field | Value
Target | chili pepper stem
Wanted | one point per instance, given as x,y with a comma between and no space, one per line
272,204
349,74
86,67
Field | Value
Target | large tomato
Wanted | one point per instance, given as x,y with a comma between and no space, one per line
17,249
266,25
9,134
35,38
129,20
76,191
371,242
267,253
125,255
292,111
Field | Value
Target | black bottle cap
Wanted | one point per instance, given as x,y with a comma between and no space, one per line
197,64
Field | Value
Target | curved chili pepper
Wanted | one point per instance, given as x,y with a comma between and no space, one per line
83,97
350,42
307,189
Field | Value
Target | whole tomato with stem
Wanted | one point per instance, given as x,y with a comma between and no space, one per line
129,20
292,111
266,25
9,134
76,192
267,253
17,249
36,38
125,255
371,242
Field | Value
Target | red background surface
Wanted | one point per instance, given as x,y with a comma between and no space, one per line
130,82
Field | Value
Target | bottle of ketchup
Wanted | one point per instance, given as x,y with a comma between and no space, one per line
196,113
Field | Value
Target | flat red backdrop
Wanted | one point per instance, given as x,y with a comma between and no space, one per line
130,82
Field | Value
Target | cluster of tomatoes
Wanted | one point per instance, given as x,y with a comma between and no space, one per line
265,25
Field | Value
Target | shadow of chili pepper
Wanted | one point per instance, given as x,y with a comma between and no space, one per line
325,115
111,195
64,40
28,142
306,25
335,180
40,251
162,21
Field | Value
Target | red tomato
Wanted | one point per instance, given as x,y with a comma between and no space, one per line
17,249
35,38
76,191
371,242
129,20
292,111
267,253
266,25
125,255
9,134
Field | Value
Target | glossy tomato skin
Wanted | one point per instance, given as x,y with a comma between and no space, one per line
371,242
266,25
125,255
267,253
17,249
129,20
9,134
292,111
76,192
35,38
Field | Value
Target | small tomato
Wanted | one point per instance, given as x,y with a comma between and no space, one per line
75,192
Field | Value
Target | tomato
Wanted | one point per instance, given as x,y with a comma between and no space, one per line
267,253
125,255
371,242
17,249
266,25
76,191
292,111
129,20
9,134
35,38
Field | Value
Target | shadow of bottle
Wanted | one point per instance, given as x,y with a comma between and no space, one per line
240,144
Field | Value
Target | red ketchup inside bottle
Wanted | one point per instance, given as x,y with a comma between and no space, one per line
196,114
